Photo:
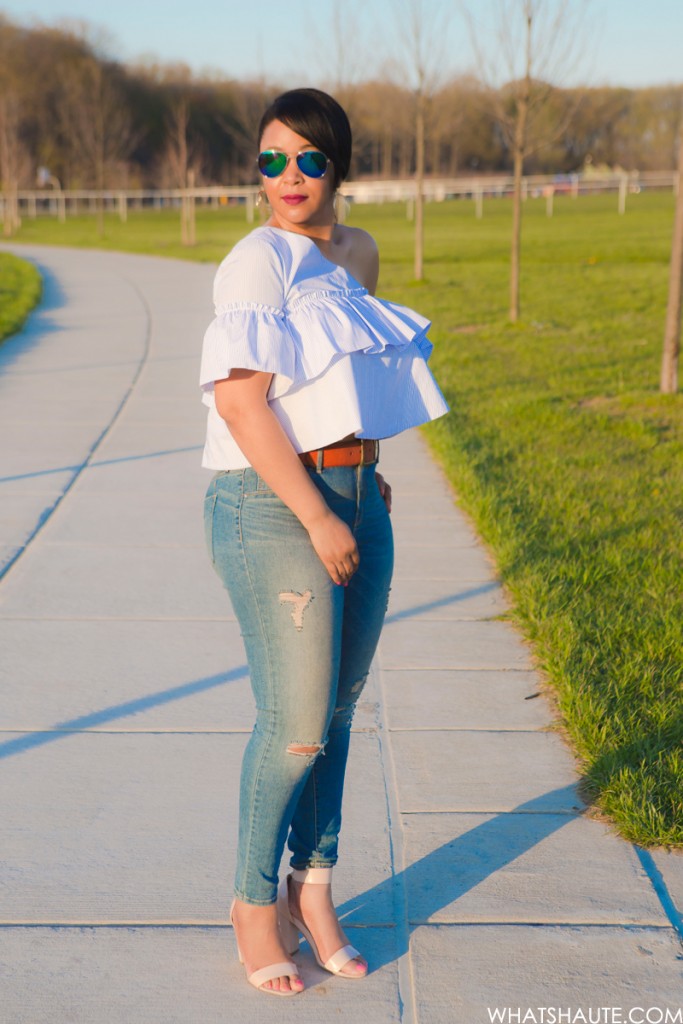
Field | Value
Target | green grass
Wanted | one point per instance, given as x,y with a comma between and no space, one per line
559,446
20,288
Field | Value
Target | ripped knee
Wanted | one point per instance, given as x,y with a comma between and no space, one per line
308,750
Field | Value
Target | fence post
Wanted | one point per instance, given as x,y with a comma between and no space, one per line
123,207
549,196
478,202
250,207
623,182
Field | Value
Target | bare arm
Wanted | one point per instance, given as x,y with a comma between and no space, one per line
241,402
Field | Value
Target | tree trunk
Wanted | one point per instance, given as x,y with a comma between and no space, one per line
10,147
419,184
672,332
518,149
99,168
190,236
387,154
516,236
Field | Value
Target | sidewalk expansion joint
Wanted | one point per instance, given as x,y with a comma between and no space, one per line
137,923
539,923
407,990
570,813
115,618
77,470
469,728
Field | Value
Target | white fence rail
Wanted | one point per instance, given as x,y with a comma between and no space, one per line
71,202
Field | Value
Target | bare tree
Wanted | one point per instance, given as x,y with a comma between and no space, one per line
422,30
13,158
536,41
672,331
95,121
183,162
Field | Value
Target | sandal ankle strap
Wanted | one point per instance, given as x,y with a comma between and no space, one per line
314,876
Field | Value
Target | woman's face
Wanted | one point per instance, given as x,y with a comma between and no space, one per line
298,203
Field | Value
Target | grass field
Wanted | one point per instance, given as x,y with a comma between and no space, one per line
20,288
559,446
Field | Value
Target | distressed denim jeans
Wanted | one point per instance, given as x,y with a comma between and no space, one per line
309,645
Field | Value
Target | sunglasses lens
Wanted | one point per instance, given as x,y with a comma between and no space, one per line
312,163
272,163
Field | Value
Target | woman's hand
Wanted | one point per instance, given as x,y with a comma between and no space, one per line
335,546
384,490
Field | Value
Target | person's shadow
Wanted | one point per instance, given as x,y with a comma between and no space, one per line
413,896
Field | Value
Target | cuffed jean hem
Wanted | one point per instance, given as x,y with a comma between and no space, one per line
254,903
313,864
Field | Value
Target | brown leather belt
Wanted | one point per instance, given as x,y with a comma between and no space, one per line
343,453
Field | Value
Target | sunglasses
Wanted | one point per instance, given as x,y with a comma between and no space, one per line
311,163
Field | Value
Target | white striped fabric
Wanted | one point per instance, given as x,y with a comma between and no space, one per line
343,361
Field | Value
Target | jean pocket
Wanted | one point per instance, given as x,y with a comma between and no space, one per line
209,513
256,486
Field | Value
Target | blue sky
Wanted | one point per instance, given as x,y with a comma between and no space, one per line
628,42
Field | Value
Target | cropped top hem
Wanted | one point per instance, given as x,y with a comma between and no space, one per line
342,360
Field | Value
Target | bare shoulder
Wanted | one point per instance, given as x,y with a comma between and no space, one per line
360,240
361,255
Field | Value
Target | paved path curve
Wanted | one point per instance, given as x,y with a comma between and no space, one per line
470,873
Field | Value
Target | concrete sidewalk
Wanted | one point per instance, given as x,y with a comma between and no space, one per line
470,874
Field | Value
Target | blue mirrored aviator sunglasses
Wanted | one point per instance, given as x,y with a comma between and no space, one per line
312,163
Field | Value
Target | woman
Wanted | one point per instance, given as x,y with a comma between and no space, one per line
302,370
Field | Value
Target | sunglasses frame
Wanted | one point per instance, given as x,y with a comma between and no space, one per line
295,156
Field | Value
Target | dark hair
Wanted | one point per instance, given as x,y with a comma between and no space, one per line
317,117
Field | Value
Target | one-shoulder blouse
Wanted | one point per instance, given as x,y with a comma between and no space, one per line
343,361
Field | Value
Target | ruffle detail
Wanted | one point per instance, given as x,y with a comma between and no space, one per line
325,326
247,336
300,344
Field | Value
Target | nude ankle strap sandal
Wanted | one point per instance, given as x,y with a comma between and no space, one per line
291,926
269,973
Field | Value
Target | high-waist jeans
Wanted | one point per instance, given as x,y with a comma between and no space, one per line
309,645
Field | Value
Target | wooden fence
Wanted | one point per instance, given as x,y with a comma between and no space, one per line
62,203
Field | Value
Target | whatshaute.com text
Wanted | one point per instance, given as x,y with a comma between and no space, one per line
591,1015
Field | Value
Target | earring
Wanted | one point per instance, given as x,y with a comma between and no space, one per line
261,199
341,208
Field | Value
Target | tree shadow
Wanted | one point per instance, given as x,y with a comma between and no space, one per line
441,602
99,463
428,885
131,707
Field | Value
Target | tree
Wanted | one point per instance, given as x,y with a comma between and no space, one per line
537,40
672,331
423,33
95,121
13,158
183,163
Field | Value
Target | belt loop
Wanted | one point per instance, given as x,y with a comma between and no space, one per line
362,451
320,457
375,445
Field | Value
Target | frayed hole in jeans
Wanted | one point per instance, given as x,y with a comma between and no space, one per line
309,751
299,603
